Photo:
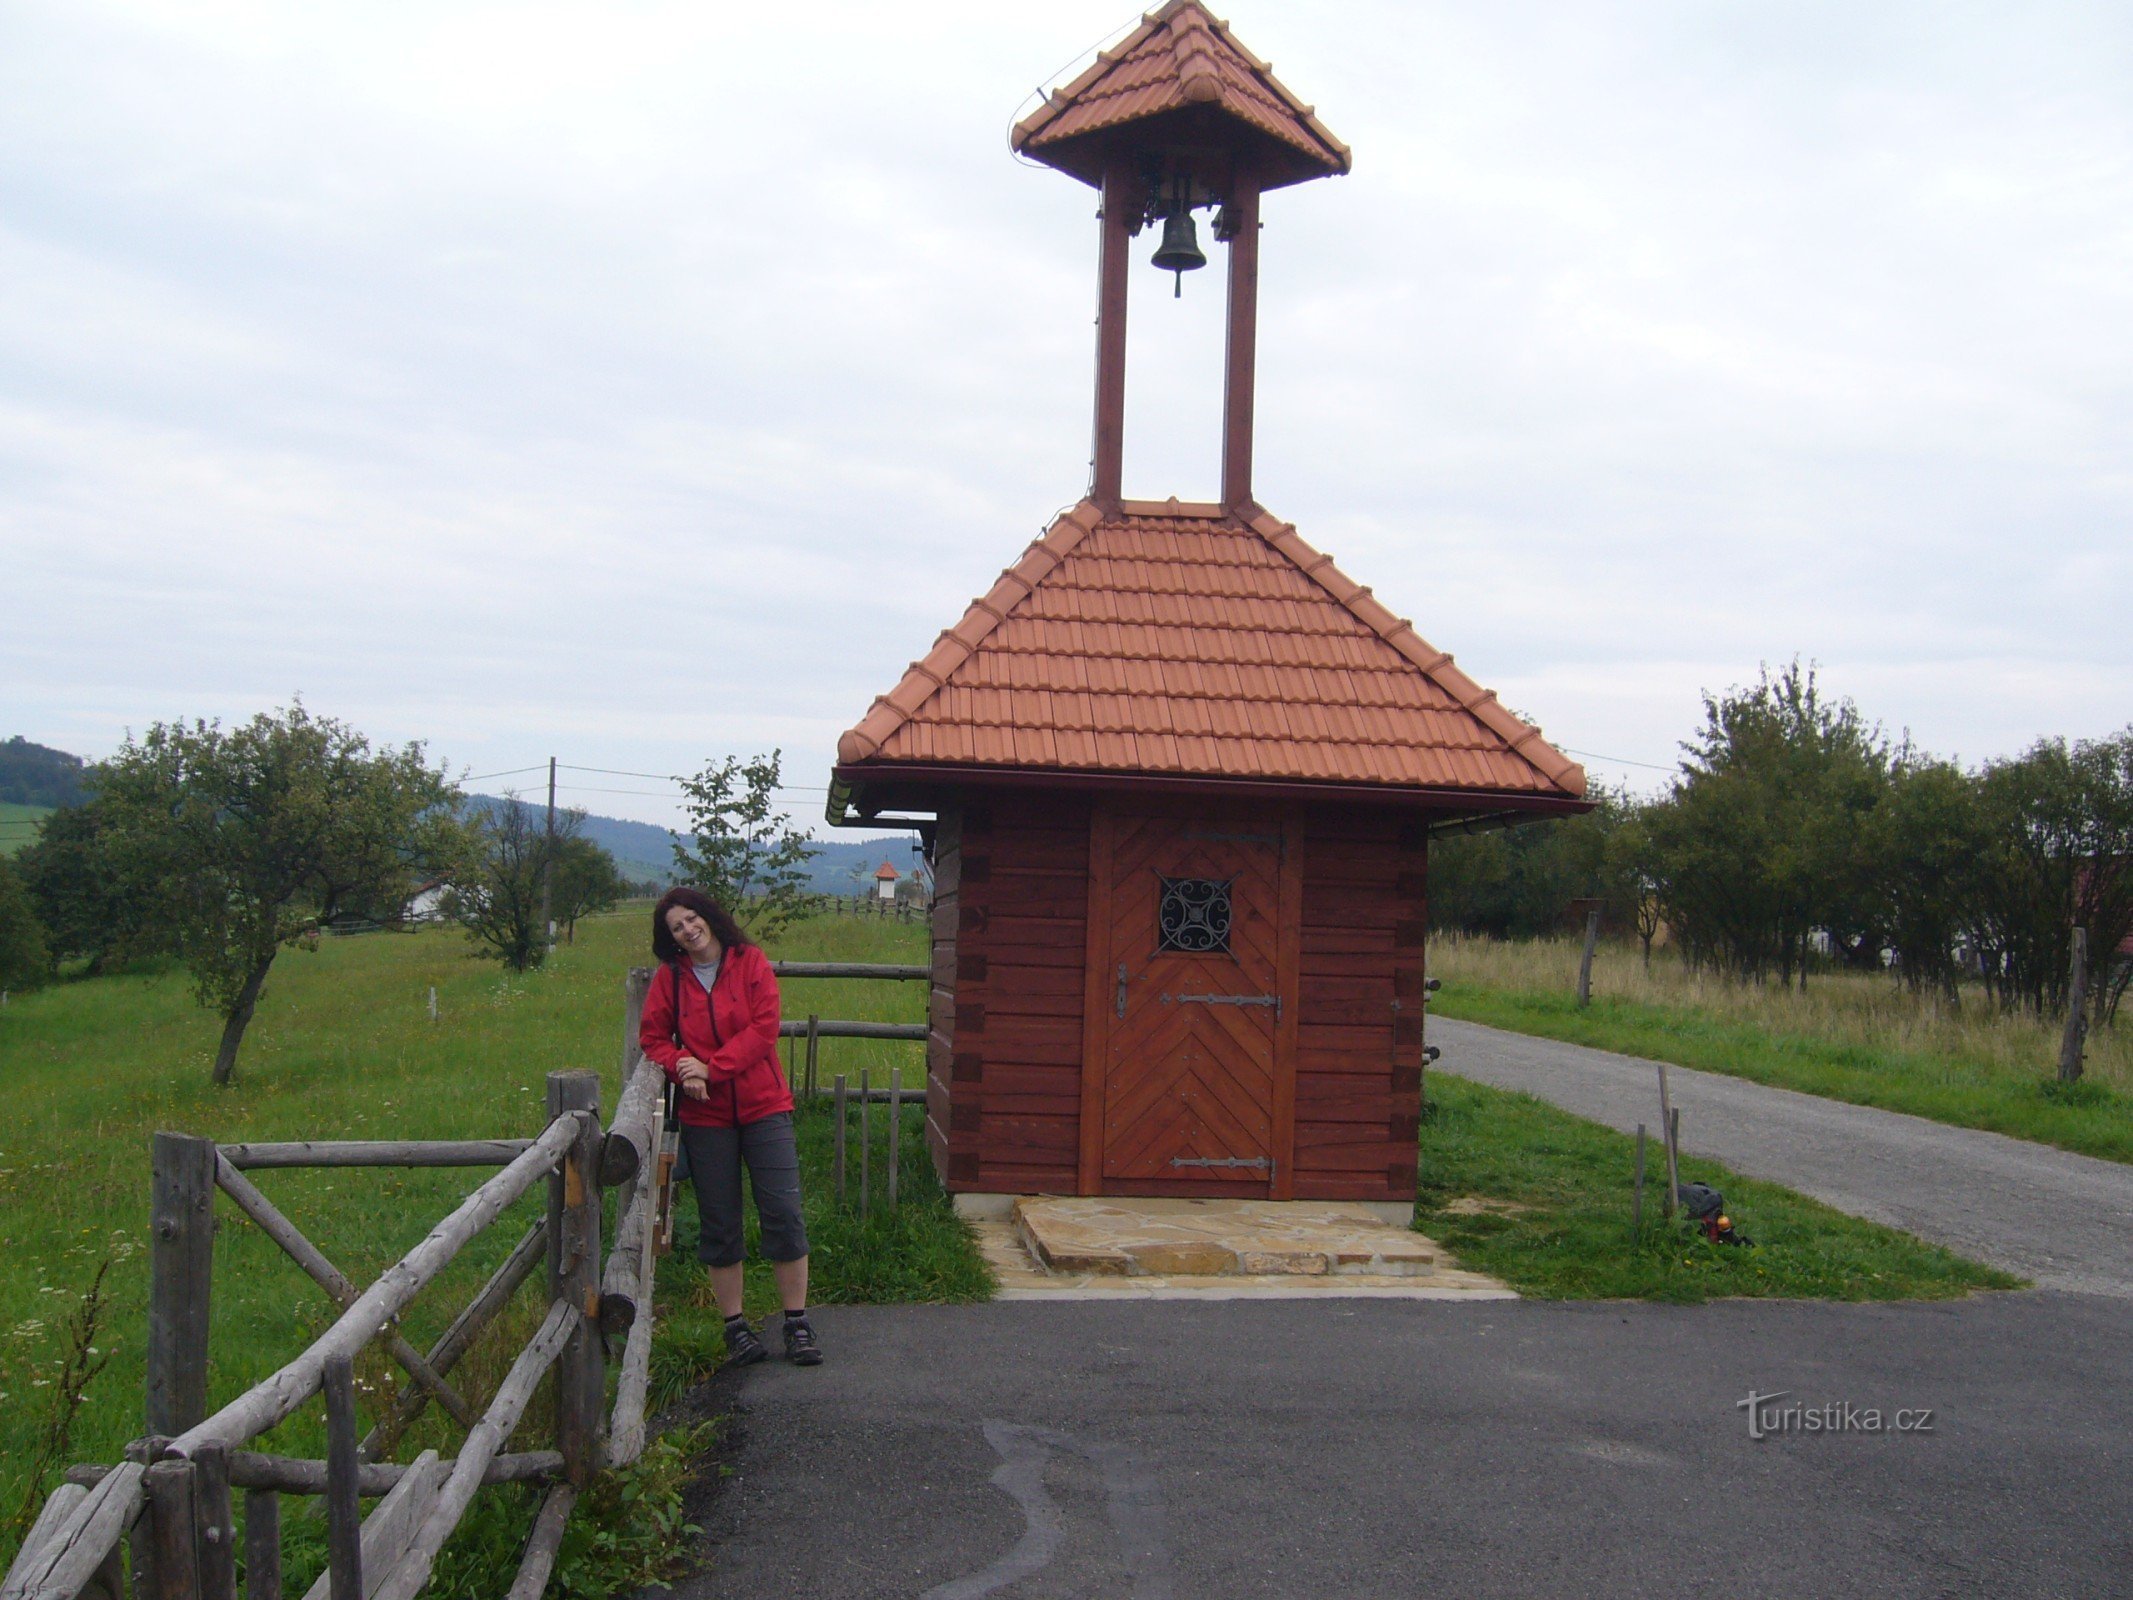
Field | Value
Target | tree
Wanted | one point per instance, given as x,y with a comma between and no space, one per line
1922,845
87,907
24,961
1759,843
496,894
746,855
246,839
2059,820
586,880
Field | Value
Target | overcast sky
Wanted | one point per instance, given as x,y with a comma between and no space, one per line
641,383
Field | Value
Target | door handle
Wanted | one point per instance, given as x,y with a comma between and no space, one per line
1122,988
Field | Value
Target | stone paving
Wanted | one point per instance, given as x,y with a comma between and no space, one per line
1060,1248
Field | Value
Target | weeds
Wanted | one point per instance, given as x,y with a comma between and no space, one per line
81,1360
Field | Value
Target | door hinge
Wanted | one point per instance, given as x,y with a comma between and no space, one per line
1257,1163
1273,1000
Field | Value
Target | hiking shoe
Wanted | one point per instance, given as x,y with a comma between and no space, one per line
743,1348
801,1347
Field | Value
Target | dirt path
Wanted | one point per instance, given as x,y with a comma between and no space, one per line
2064,1220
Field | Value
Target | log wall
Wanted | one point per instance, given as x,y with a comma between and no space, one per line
1003,1089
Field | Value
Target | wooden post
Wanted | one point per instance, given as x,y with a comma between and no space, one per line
1592,939
814,1026
840,1139
1240,356
1106,478
433,1002
174,1535
180,1275
635,986
574,1275
344,1513
1636,1215
216,1519
1667,1127
262,1545
141,1543
866,1143
896,1127
2077,1019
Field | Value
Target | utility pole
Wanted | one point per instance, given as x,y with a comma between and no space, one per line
548,864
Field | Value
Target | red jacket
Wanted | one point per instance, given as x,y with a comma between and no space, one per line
733,1031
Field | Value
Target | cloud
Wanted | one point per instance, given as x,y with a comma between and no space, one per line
642,383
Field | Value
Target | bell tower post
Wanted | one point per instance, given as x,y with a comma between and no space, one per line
1241,348
1121,202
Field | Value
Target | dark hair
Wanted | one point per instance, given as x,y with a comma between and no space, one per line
723,928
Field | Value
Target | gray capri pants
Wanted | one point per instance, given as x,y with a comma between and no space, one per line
773,1159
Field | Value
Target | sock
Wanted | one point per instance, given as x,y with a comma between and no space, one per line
796,1316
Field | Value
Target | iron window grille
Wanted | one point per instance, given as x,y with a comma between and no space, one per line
1193,916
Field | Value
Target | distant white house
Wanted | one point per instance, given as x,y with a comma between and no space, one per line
885,877
426,904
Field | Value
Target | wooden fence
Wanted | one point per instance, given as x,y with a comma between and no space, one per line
163,1521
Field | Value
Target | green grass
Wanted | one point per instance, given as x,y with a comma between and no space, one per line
15,832
1559,1223
2090,1117
343,1048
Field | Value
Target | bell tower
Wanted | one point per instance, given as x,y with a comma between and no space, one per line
1179,118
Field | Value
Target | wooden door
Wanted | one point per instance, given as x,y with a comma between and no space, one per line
1194,1015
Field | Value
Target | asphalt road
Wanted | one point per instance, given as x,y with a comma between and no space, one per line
1172,1450
2061,1220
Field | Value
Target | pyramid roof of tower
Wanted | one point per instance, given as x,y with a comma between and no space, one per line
1181,642
1180,61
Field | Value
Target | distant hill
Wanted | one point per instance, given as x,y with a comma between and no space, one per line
645,851
38,775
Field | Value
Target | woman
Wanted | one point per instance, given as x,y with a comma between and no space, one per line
711,1020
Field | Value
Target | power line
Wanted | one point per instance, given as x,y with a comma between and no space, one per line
1620,761
512,773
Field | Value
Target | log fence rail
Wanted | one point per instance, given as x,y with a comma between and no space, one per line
162,1525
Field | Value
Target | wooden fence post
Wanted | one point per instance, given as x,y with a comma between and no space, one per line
180,1276
814,1026
840,1139
896,1126
2077,1018
1667,1127
574,1276
262,1545
634,988
866,1143
141,1540
344,1513
216,1518
174,1535
1592,938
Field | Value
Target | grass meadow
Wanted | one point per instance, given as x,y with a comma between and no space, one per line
16,830
1851,1036
343,1047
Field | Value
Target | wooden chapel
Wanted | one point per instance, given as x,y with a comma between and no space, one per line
1177,773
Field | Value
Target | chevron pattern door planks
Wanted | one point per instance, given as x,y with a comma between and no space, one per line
1193,978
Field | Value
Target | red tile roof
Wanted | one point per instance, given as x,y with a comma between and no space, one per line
1177,641
887,873
1178,58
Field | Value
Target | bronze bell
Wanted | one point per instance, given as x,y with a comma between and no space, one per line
1179,252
